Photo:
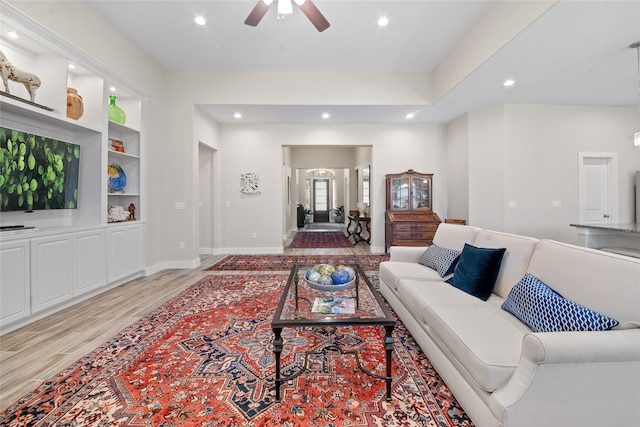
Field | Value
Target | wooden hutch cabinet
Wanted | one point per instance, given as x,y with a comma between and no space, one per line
409,219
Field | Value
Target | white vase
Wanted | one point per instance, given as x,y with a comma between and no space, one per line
362,208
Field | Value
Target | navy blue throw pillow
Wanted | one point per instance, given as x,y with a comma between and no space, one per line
477,270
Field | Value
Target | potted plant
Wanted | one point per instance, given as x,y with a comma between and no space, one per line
308,216
338,213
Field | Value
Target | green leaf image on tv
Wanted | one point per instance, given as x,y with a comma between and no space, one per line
37,172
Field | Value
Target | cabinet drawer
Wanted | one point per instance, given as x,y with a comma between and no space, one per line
415,226
413,235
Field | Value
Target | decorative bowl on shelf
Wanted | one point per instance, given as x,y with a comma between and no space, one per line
328,277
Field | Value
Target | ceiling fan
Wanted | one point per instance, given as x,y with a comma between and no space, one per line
285,8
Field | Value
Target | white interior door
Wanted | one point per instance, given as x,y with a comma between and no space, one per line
598,188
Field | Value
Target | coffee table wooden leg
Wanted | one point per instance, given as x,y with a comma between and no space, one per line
277,350
388,346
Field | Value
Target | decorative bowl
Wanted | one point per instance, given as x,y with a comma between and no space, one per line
331,288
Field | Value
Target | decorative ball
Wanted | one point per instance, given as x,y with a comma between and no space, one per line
314,276
327,269
340,276
325,280
351,271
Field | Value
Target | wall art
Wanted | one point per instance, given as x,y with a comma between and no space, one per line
249,183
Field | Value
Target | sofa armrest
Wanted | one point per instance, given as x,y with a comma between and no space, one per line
582,347
406,253
597,370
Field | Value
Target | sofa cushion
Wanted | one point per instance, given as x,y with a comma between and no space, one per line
485,340
477,270
544,310
392,271
454,236
443,260
514,262
602,281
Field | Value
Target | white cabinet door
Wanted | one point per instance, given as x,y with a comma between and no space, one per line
125,252
15,289
51,273
137,249
90,261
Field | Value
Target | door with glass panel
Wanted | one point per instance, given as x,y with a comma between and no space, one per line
321,200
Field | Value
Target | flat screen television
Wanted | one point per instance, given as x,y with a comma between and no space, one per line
37,172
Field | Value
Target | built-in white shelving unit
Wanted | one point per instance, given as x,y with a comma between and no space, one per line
73,253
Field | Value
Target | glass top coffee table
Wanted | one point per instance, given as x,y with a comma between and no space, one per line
359,305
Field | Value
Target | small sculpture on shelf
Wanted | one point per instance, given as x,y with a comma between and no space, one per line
132,212
10,72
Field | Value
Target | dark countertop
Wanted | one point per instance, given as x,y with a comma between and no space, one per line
625,228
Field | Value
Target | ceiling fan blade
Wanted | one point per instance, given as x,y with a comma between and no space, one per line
257,14
317,19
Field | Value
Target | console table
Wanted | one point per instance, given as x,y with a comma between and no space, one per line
355,229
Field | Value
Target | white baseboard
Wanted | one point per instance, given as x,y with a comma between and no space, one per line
277,250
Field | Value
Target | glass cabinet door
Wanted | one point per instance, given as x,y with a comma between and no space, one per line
400,193
421,192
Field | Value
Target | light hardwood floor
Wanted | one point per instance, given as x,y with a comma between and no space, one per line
36,352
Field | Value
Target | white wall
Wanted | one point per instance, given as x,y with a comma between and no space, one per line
486,168
541,163
395,148
528,154
458,169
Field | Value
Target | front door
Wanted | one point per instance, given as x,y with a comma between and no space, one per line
320,200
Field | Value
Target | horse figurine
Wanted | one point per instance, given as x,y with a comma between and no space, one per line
11,72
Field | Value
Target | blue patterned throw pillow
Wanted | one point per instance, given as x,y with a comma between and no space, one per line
544,310
442,260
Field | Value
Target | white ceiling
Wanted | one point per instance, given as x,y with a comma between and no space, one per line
576,53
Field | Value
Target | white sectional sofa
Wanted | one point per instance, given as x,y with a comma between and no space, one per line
500,370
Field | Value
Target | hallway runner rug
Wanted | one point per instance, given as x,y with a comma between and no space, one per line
320,239
285,262
205,358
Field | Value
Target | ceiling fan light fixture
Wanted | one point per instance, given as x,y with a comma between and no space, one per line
285,7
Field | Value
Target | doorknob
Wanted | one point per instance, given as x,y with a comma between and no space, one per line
606,215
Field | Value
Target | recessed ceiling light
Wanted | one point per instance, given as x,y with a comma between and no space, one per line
410,116
12,34
72,66
509,82
326,115
200,20
112,88
237,115
383,21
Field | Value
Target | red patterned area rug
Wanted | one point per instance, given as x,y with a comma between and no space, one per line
285,262
205,359
320,239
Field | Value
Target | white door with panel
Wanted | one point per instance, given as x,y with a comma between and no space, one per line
124,252
90,261
598,188
15,290
51,271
